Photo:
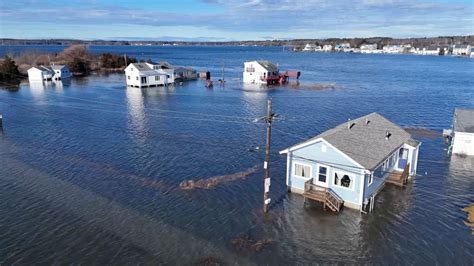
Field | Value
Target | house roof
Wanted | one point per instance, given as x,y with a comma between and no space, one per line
365,142
269,66
463,120
142,66
57,67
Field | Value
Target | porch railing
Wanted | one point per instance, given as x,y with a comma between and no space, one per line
324,195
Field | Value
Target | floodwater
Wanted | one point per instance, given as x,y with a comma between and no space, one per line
90,170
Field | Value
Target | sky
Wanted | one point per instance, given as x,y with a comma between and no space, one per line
227,20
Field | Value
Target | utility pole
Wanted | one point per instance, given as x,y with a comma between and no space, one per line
125,58
266,164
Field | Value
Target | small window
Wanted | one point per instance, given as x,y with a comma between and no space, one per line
137,78
131,69
157,78
128,77
302,170
370,178
322,175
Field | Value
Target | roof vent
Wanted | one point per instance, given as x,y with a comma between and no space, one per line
367,121
387,134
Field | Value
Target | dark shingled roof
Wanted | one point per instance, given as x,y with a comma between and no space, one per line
463,120
365,142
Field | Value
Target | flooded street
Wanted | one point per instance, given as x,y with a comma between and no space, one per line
94,172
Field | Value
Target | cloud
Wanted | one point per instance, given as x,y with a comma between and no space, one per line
253,18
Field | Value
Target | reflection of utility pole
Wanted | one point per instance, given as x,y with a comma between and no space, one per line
266,164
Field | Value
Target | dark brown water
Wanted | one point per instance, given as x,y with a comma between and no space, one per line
90,171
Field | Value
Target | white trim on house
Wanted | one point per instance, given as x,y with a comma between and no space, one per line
350,175
302,164
311,142
316,180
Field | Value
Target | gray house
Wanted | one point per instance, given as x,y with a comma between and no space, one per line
349,164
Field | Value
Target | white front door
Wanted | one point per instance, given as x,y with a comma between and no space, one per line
322,176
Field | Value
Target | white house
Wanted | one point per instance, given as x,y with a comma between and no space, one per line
342,47
260,72
39,74
311,48
462,141
53,72
148,75
368,48
352,162
431,50
327,48
462,50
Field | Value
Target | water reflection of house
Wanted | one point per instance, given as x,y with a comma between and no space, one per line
352,162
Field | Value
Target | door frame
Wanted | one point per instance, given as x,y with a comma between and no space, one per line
316,180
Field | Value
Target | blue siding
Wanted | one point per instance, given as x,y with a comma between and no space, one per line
335,161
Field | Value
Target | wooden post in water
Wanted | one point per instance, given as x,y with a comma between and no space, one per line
1,123
266,164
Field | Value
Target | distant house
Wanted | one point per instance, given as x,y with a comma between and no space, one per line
369,49
260,72
472,52
327,48
39,74
462,141
311,48
352,162
148,75
44,73
180,73
342,46
462,50
431,50
60,72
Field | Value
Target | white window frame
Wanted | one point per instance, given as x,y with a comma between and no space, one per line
328,177
303,164
370,179
341,173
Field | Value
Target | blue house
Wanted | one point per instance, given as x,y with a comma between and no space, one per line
349,164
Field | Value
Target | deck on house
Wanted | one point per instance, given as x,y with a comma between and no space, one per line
324,195
399,178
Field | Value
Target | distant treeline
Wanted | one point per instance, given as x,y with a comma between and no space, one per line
77,57
355,42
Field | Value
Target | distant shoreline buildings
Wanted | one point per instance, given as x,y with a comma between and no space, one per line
372,48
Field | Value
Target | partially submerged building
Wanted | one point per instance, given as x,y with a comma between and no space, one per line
462,135
266,73
349,164
148,75
43,73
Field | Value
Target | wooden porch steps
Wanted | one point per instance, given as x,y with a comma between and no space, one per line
324,195
399,178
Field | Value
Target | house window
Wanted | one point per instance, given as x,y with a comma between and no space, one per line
128,77
322,175
157,78
137,78
343,180
370,178
143,80
302,170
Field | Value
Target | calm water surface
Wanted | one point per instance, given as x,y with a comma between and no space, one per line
90,170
